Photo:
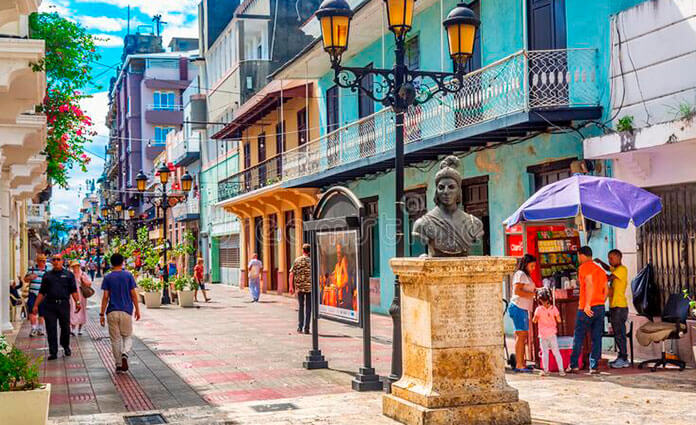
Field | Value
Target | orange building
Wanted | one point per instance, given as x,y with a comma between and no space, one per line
272,128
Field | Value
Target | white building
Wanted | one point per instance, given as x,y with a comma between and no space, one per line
654,83
22,138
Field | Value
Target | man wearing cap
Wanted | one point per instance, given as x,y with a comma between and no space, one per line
33,278
57,286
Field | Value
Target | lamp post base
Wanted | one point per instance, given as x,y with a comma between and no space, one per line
315,360
165,295
367,380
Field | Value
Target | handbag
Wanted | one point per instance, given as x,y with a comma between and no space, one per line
87,291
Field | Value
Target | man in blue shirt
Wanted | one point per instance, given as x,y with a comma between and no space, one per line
119,301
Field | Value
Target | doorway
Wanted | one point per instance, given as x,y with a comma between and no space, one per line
547,41
475,202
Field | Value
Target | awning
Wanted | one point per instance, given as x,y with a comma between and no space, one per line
263,102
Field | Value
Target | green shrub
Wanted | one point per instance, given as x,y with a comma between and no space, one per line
18,371
625,123
150,284
185,283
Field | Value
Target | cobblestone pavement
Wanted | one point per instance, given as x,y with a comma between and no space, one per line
224,361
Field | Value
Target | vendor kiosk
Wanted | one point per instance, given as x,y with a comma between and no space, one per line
555,245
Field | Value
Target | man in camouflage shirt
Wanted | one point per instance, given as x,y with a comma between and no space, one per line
301,281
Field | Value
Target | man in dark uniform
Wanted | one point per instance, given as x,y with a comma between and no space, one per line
57,286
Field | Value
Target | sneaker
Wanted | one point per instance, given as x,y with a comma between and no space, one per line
67,352
524,370
119,369
543,373
52,357
619,364
33,333
306,331
572,370
124,363
79,333
594,371
561,373
299,330
41,332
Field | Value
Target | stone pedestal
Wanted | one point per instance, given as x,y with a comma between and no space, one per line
453,362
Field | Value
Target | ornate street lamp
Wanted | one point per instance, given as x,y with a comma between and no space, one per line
164,201
186,182
104,210
118,207
398,88
461,25
141,181
131,213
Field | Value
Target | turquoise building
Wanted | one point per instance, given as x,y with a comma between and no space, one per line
537,85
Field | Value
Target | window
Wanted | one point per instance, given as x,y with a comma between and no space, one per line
416,207
413,53
365,105
475,202
302,136
550,172
332,109
259,52
164,101
474,61
161,135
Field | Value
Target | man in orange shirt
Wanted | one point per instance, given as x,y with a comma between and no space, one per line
593,293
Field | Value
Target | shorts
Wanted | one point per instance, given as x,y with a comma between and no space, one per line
30,304
520,318
201,286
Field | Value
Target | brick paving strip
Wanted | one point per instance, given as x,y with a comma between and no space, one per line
87,383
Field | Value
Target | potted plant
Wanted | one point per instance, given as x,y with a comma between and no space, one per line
185,287
692,307
22,398
152,291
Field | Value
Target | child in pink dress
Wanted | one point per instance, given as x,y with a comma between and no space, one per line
546,316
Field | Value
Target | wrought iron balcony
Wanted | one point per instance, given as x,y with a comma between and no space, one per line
526,90
262,175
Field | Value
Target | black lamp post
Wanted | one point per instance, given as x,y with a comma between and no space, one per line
164,201
398,88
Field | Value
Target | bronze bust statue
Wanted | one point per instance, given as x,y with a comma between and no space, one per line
446,229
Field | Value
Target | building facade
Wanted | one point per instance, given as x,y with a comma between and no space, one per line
22,139
535,84
258,37
653,100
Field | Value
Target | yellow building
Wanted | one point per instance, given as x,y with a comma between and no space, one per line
282,117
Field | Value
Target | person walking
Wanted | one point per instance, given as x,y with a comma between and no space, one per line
199,276
33,278
593,294
119,302
57,287
521,305
301,282
79,318
254,269
92,268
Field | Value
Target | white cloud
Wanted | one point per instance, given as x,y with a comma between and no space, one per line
64,202
106,40
103,23
59,6
188,29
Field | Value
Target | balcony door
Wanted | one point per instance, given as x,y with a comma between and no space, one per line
332,120
262,158
548,62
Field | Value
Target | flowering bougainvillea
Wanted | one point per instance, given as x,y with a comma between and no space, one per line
70,53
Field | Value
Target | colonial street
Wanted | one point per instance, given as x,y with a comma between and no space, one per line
232,361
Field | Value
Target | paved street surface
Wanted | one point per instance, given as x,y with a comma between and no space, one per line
235,362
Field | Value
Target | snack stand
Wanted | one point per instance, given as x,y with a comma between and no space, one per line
555,245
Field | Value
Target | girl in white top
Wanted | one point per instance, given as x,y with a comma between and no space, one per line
521,304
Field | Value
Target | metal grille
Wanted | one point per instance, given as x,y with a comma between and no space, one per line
154,419
668,241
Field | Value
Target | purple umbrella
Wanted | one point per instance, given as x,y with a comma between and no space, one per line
601,199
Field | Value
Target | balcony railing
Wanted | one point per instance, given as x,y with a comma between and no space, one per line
152,107
184,151
520,82
187,210
264,174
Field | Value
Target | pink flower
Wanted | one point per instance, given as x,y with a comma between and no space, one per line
64,137
79,132
64,108
61,166
83,156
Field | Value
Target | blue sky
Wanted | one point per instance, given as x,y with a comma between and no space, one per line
108,20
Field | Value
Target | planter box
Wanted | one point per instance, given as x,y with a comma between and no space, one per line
25,407
185,298
153,299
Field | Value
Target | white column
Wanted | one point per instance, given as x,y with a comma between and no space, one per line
5,277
